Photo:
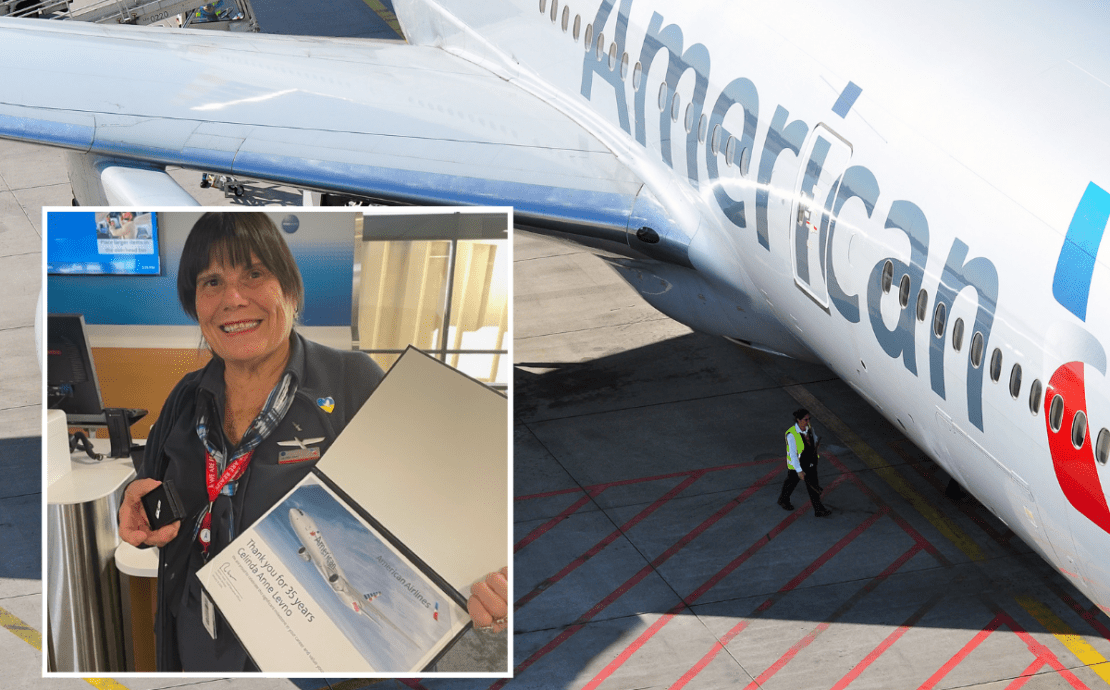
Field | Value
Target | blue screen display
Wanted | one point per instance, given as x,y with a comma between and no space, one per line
102,243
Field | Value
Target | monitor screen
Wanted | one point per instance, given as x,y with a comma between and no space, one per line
102,243
71,383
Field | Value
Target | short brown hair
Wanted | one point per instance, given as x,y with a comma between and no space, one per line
230,239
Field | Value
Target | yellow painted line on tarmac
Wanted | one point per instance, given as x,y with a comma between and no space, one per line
890,475
1083,651
34,638
385,15
1086,654
21,629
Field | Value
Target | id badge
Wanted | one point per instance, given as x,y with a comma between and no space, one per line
208,614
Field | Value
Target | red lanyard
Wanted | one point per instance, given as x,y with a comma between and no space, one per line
215,485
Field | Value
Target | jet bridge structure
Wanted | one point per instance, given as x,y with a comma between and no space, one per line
226,15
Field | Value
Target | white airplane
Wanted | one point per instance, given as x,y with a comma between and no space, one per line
914,194
315,550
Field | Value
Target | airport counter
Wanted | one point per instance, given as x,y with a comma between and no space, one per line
84,616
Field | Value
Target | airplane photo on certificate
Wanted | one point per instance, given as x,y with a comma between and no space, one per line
335,586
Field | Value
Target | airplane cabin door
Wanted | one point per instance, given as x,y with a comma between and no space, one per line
826,157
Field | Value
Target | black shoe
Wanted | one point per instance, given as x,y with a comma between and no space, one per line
824,512
785,505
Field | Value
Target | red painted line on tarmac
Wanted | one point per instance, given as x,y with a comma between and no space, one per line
709,584
821,560
1090,615
790,654
594,490
901,630
654,478
966,650
972,509
898,519
663,620
751,550
635,579
872,657
1042,653
813,634
921,542
682,543
609,539
644,572
546,527
1027,674
631,649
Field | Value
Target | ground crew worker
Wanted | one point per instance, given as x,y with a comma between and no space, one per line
801,462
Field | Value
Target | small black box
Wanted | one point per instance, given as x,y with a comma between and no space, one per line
163,505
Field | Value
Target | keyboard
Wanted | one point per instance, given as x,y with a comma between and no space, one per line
132,414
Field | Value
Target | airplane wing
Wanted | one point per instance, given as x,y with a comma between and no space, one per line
382,119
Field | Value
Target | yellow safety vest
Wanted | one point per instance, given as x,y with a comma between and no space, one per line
799,443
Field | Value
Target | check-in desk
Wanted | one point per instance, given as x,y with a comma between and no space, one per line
84,619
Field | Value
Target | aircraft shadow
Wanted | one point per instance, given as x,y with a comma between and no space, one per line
21,508
646,483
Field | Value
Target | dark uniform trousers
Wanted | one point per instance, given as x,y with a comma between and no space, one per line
808,460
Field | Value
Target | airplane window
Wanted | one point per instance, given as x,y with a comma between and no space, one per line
1056,413
566,17
1078,429
730,150
676,107
600,45
588,43
1102,447
996,365
922,303
689,121
977,350
637,73
612,56
904,290
745,158
939,317
703,129
624,66
1015,381
577,27
662,96
958,335
888,276
554,10
543,6
715,142
1035,396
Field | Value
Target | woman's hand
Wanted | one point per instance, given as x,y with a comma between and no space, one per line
134,528
488,605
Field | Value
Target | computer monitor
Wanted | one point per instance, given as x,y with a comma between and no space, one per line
103,243
71,384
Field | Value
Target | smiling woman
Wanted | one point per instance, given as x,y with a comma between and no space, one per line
216,437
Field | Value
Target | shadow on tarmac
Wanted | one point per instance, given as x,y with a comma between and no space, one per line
645,486
21,508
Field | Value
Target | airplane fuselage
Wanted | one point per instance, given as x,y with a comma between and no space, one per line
314,548
918,224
